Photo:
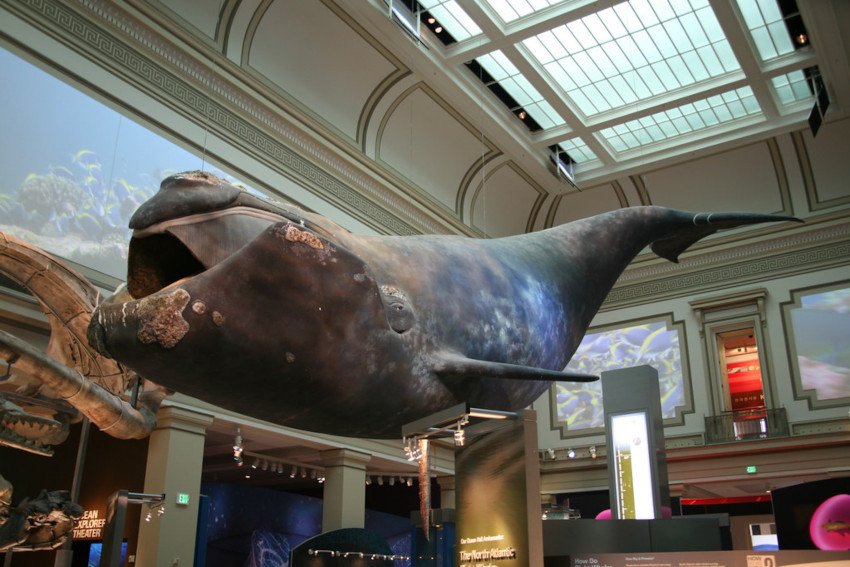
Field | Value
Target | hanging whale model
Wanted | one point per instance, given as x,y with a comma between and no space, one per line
283,315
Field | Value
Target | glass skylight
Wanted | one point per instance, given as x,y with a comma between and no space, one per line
631,74
526,96
792,87
510,10
767,27
452,17
685,119
579,151
633,51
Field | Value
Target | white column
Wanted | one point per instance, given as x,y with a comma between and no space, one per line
175,461
344,501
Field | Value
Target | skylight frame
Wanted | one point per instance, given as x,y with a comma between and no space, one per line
527,97
609,60
578,151
765,23
512,10
793,88
453,18
693,119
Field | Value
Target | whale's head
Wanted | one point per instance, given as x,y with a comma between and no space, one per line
239,300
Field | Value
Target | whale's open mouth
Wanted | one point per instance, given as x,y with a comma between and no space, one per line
180,248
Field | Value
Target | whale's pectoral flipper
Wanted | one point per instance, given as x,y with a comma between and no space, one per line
703,224
453,365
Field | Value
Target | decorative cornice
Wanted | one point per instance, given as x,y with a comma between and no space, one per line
198,91
800,252
825,427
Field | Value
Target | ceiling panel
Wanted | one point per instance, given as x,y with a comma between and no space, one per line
699,184
505,203
333,79
425,142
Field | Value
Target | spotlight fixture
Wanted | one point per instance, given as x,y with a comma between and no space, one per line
265,465
438,29
255,464
239,461
409,481
392,481
380,481
432,20
294,472
460,436
571,454
368,480
412,450
592,451
550,453
237,444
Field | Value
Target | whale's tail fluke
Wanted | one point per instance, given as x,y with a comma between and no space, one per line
708,223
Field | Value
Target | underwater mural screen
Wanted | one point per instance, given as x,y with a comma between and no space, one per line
820,323
73,171
579,406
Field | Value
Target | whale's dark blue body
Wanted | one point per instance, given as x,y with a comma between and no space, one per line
283,315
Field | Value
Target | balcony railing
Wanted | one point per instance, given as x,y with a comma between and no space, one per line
746,425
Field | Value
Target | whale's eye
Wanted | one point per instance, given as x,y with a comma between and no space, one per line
400,315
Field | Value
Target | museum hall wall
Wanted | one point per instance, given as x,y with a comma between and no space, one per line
231,105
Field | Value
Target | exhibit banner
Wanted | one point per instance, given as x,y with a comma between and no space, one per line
740,558
498,518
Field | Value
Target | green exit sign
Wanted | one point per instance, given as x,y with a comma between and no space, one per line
182,498
751,469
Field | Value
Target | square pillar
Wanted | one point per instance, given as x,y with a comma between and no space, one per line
174,466
344,501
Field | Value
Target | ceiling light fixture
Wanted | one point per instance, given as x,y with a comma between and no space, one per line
412,450
571,454
592,451
237,445
401,14
460,436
